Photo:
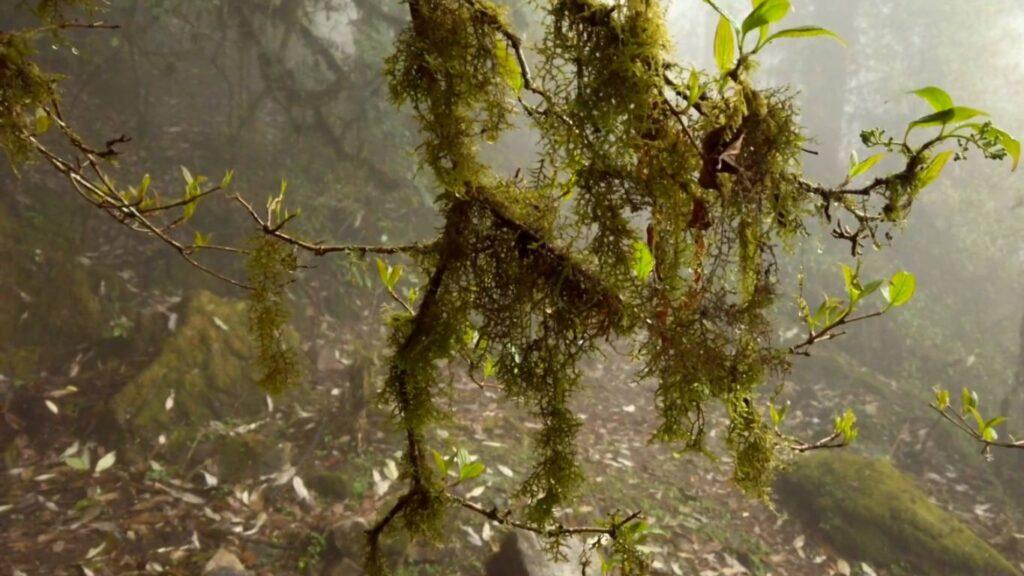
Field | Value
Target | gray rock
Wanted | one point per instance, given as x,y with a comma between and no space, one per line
224,563
522,554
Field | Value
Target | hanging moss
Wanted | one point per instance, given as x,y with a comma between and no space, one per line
24,88
271,267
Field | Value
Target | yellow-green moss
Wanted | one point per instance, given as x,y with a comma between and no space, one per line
48,300
868,510
209,368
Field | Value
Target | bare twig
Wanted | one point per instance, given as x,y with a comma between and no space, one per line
960,422
321,249
504,517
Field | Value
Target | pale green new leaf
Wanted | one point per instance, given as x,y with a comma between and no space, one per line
643,261
864,165
949,116
508,66
440,463
1012,147
933,170
804,32
385,272
725,45
694,88
968,399
900,289
42,121
471,470
766,12
937,97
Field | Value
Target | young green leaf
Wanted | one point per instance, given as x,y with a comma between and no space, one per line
725,45
846,426
226,180
942,399
643,261
864,165
1012,147
42,121
394,275
766,13
386,273
489,367
993,422
471,470
189,210
187,175
968,399
440,463
948,116
694,88
851,281
937,97
900,289
934,168
508,66
803,32
777,414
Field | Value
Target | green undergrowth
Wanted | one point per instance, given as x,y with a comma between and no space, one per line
869,511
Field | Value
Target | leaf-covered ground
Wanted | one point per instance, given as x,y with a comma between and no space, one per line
144,515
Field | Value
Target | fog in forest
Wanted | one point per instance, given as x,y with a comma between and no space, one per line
511,287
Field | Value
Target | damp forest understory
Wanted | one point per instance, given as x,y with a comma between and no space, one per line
511,288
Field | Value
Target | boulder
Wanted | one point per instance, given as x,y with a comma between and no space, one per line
522,554
224,563
206,366
49,299
869,511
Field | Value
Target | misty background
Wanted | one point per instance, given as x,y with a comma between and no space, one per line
294,90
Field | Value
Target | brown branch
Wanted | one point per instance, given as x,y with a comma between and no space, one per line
320,249
71,25
827,333
826,443
105,196
960,422
504,517
179,203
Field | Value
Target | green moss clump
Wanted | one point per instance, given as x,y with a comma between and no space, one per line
868,510
208,368
331,485
44,286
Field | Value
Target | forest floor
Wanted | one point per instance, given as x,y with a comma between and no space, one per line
62,515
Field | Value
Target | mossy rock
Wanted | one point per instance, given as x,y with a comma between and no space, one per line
331,485
48,299
868,510
248,455
207,364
